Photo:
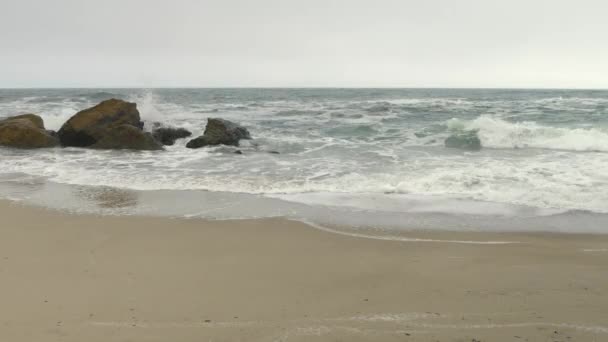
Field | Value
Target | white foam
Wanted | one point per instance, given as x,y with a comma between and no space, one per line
54,120
455,183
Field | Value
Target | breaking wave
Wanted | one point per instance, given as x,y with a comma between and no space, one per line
498,133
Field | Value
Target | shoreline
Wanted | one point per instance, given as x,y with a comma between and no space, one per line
386,213
114,278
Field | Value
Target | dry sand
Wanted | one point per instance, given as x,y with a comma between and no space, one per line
101,279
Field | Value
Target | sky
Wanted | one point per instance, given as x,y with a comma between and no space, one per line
304,43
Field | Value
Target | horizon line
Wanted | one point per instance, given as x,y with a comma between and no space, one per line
300,87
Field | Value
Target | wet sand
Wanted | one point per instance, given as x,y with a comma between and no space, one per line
99,279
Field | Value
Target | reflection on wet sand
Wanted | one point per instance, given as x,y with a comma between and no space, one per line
107,197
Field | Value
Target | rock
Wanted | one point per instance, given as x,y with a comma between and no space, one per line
238,152
466,140
126,137
33,118
87,127
25,131
112,124
197,143
274,152
220,132
168,135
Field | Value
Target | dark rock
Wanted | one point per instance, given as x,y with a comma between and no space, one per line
168,135
25,131
197,142
89,126
238,152
220,132
467,140
126,137
274,152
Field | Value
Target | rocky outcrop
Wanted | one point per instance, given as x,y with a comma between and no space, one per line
89,126
26,131
466,140
168,135
126,137
112,124
220,132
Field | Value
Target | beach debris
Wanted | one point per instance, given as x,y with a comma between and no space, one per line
112,124
220,132
466,140
26,131
168,135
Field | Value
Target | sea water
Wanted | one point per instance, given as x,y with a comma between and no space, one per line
356,157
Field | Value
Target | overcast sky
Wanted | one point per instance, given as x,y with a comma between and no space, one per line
304,43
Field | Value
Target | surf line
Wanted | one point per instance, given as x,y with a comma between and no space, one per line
400,238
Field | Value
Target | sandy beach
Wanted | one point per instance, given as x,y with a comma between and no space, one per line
91,278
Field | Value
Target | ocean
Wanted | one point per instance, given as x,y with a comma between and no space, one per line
363,158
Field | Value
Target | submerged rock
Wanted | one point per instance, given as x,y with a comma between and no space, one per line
168,135
26,131
220,132
127,137
466,140
89,126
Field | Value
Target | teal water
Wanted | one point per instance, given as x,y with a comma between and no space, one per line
545,153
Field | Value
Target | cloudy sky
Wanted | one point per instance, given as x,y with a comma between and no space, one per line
304,43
